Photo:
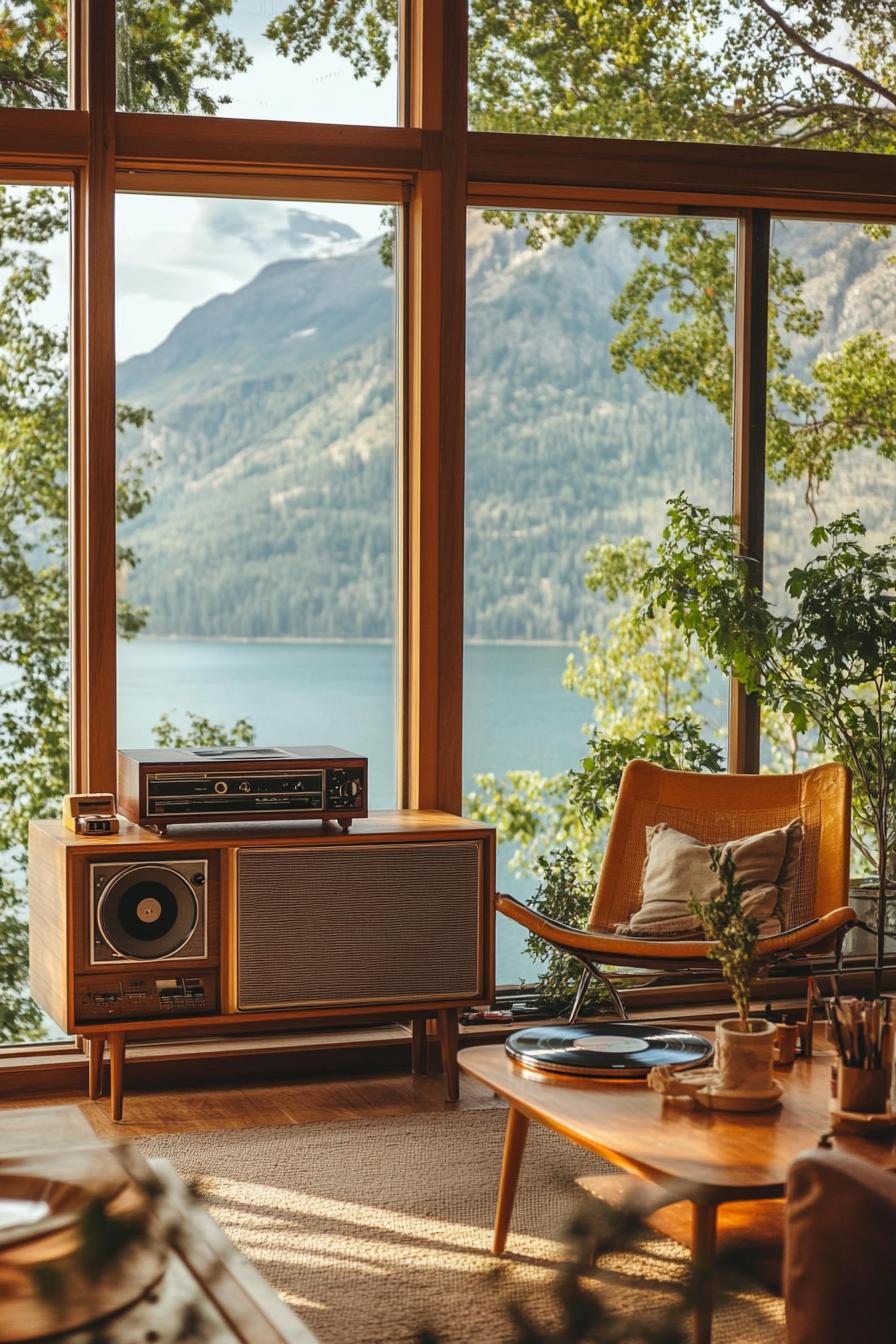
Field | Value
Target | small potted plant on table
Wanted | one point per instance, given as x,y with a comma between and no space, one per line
744,1045
741,1078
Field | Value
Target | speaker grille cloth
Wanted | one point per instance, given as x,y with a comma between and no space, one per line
346,924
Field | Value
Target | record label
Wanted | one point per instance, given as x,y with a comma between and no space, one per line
611,1045
615,1049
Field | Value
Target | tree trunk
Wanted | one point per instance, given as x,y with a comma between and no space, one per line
882,892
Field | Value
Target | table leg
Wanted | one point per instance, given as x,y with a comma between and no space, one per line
448,1035
703,1251
514,1145
116,1073
95,1049
418,1045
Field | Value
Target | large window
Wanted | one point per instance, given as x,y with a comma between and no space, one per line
832,436
598,386
296,406
256,380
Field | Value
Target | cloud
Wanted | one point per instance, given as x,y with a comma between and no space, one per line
272,230
175,252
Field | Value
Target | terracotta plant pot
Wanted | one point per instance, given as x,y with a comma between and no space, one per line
744,1058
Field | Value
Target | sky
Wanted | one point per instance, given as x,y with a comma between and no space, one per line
175,252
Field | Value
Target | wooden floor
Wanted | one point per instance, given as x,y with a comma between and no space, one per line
306,1101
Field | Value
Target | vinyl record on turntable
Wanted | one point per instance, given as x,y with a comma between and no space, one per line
612,1050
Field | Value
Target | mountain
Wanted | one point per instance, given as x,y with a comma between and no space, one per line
271,453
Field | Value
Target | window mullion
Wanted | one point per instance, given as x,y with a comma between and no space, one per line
93,567
432,672
750,404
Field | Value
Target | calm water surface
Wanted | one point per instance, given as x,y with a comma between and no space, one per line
516,713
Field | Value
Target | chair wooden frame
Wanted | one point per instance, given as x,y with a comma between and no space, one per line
719,808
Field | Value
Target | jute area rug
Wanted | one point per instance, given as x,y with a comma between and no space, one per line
373,1229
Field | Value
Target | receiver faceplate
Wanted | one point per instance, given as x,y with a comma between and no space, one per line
161,788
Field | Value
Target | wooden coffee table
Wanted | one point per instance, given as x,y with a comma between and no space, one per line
720,1156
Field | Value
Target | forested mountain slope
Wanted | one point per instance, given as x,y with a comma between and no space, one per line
274,429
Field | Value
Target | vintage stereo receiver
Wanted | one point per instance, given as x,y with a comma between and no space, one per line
158,789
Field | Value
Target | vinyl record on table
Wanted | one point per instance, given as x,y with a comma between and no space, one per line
615,1049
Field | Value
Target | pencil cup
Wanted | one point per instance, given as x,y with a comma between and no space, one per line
786,1035
865,1090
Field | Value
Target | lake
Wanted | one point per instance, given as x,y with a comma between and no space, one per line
516,713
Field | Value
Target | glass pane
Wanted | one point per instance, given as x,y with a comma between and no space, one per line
34,632
831,448
34,53
260,58
729,72
257,361
599,384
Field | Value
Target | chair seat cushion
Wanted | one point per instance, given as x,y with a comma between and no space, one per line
677,870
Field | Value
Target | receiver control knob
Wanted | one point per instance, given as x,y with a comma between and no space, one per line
221,786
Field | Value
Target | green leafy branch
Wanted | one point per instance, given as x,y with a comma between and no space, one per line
733,933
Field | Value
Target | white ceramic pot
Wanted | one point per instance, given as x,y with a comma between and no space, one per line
744,1058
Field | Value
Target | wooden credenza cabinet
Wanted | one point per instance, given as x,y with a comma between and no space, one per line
210,929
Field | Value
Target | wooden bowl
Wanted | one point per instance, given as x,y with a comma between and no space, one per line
861,1122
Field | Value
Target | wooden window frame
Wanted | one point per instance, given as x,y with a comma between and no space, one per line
435,164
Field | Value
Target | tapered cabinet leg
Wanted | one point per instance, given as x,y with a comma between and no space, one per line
96,1048
116,1073
515,1136
418,1045
448,1039
703,1251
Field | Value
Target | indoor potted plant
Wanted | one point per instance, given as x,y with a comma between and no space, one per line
744,1045
741,1078
828,659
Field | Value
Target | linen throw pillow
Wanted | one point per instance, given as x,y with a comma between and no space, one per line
676,869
